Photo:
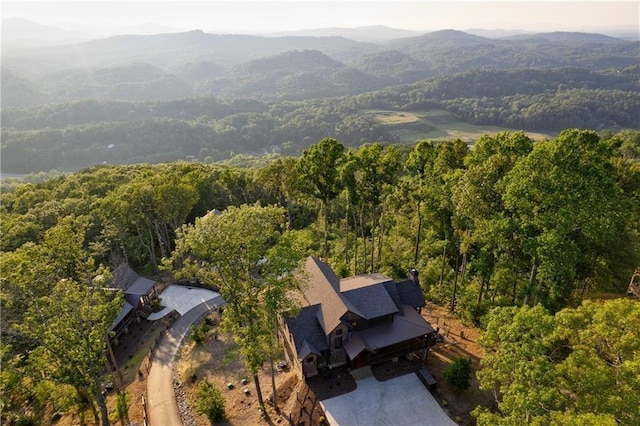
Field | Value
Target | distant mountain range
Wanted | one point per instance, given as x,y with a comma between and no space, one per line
195,95
177,65
20,32
375,33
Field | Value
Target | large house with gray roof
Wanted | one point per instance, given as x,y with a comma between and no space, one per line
357,321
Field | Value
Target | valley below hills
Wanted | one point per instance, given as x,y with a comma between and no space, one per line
209,97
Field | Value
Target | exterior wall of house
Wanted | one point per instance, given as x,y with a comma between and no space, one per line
123,327
336,339
290,353
364,324
310,366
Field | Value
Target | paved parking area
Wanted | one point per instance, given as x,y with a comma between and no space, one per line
403,401
182,299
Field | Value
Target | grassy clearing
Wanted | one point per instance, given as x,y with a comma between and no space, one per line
436,124
394,117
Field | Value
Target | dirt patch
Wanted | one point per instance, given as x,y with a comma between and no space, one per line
218,360
460,340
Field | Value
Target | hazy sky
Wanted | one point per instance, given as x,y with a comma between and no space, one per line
265,16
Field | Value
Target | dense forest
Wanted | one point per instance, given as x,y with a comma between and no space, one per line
210,97
510,223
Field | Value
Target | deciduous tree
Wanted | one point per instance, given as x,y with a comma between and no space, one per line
577,367
228,250
319,167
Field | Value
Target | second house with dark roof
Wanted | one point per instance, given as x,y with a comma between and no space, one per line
357,321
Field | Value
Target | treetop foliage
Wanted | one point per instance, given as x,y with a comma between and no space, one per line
507,223
578,366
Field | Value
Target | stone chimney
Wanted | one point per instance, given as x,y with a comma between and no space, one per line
413,276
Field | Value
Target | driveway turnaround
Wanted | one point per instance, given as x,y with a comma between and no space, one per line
161,399
182,299
403,401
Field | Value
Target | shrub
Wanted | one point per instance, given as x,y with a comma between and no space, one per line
457,374
122,407
199,332
210,401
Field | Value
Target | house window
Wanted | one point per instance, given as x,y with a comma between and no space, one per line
309,360
339,332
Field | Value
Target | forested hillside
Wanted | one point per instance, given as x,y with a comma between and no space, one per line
72,135
208,97
509,223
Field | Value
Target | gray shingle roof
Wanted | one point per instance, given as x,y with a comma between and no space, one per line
308,336
368,296
130,282
133,286
410,294
371,302
324,289
405,327
393,293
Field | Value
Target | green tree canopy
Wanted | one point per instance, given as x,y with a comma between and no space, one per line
228,251
569,209
319,169
58,311
577,367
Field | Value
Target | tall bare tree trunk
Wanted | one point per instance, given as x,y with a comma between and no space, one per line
532,277
346,237
274,390
380,240
326,230
464,268
483,280
355,248
416,248
444,258
373,240
364,241
258,392
455,284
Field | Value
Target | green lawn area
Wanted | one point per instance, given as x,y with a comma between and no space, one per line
411,126
395,117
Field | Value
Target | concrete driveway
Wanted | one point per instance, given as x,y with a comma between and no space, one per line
403,401
161,399
182,299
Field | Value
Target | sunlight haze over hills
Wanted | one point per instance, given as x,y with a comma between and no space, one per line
100,18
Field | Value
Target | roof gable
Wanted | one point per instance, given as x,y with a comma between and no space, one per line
324,289
410,294
372,301
308,336
130,282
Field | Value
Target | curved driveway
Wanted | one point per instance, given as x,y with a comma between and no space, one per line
161,399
